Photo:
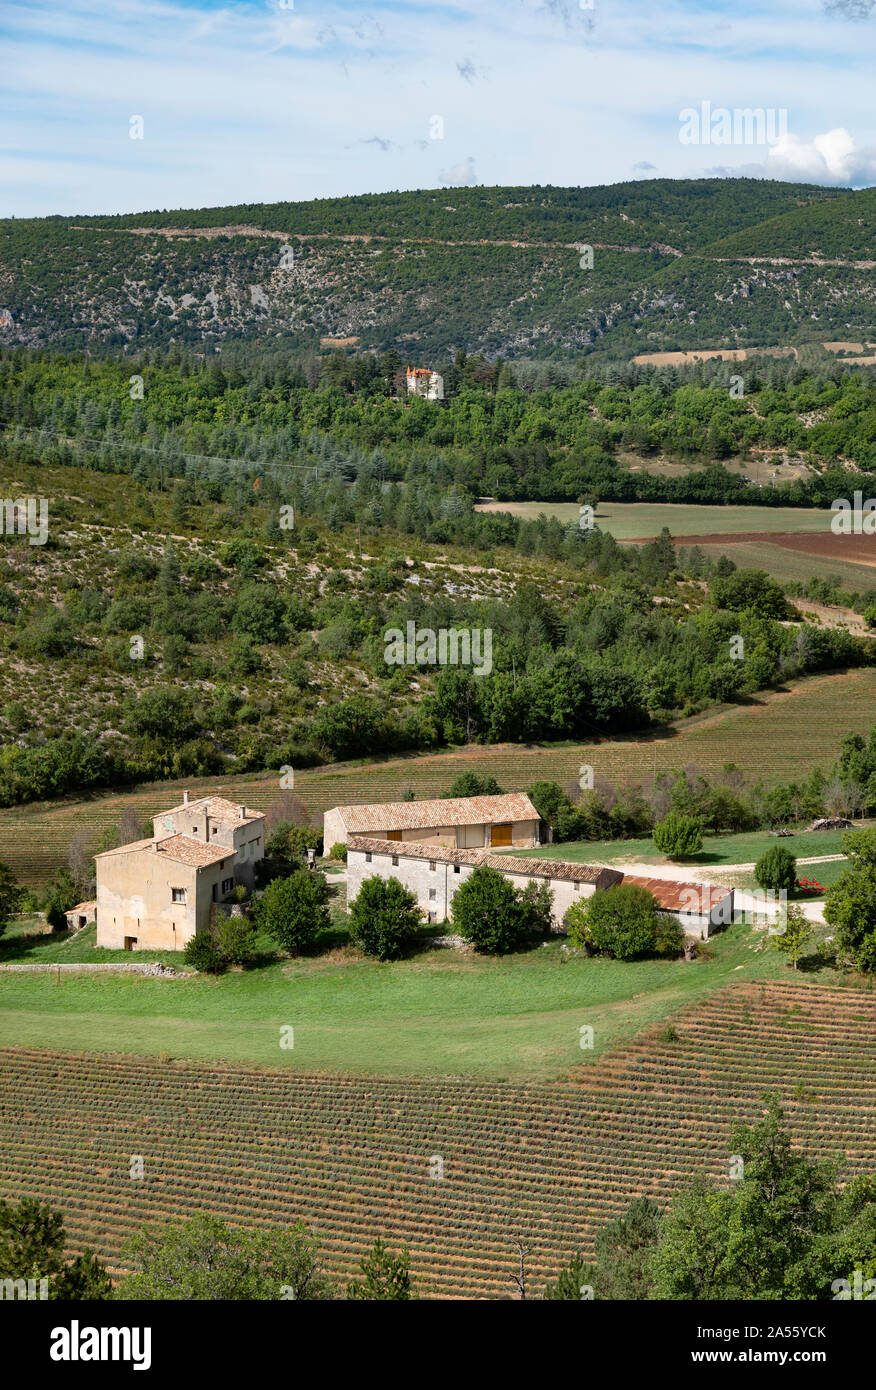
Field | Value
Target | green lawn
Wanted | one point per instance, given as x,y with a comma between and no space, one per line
717,849
438,1012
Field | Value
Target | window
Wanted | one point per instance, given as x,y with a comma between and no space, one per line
177,895
393,835
227,885
577,885
214,829
194,830
456,868
431,866
395,861
368,857
433,893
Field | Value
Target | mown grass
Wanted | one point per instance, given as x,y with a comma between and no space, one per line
717,849
438,1012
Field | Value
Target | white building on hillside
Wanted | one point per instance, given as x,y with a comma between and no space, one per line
423,382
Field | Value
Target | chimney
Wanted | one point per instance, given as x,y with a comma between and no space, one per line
243,812
207,826
185,798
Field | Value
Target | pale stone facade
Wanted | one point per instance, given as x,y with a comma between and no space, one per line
421,381
155,894
434,873
475,822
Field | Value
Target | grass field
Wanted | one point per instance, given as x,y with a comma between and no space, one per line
793,565
547,1164
717,849
438,1012
628,521
779,736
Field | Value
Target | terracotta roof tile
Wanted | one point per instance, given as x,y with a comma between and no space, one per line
557,869
425,815
185,849
219,807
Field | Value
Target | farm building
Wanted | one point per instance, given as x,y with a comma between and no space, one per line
465,822
701,908
421,381
154,894
434,872
81,915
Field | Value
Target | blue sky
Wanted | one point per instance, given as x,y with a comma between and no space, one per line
261,100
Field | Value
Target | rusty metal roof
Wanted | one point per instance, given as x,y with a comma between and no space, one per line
673,896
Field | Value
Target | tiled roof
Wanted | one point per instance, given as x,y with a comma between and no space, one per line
682,897
82,907
557,869
427,815
185,849
219,807
125,849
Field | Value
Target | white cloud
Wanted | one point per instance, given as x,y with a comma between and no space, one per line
461,175
832,158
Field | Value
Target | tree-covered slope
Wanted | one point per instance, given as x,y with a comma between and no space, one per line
429,273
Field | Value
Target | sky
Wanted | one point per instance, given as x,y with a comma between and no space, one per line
133,105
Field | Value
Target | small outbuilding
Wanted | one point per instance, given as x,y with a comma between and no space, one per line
82,915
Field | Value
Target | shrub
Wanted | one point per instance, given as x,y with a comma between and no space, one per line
384,1276
201,952
10,896
668,935
678,835
338,851
234,939
776,870
537,904
293,910
486,910
473,784
621,921
567,821
384,918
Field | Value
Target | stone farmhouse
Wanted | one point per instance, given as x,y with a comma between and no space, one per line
423,382
465,822
155,894
433,872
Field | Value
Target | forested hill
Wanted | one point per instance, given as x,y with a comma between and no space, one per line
675,265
